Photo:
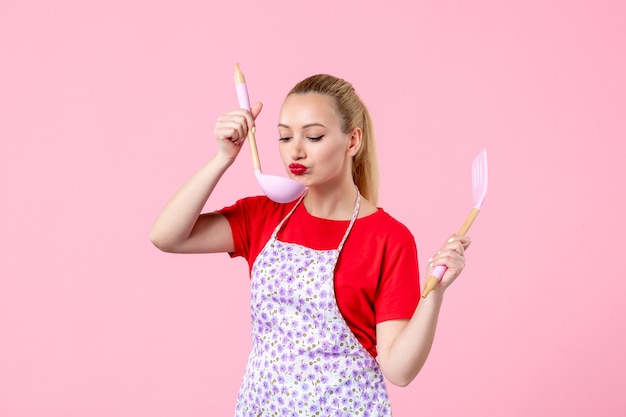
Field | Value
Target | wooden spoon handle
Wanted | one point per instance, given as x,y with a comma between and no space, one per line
244,103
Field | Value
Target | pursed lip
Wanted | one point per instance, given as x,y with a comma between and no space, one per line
297,168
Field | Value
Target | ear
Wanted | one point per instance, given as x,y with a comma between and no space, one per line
356,139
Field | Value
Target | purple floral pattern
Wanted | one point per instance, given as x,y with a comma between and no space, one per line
305,360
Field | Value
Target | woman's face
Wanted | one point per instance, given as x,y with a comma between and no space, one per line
314,149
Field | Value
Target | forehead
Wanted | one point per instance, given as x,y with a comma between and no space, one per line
302,109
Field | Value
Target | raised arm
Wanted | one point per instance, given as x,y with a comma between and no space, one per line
181,227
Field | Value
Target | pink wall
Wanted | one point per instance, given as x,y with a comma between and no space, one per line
107,106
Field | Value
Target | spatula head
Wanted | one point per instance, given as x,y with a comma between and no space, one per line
480,176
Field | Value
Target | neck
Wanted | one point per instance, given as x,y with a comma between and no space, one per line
332,203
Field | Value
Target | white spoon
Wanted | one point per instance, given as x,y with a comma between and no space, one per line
279,189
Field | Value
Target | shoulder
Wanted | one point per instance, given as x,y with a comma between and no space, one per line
256,205
383,224
381,237
252,220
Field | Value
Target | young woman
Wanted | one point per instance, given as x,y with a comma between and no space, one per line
334,279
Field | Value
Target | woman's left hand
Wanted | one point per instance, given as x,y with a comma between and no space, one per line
452,256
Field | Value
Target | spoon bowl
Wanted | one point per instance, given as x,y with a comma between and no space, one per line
278,189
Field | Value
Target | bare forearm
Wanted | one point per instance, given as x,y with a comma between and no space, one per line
408,353
177,219
404,345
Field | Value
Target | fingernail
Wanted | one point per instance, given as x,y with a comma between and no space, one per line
451,240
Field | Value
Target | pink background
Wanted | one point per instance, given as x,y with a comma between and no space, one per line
106,107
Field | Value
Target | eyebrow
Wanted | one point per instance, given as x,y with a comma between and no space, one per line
304,127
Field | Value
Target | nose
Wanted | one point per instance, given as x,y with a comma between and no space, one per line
296,149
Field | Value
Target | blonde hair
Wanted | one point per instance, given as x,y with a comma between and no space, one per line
353,114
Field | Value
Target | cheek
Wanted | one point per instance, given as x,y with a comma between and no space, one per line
337,152
335,158
282,150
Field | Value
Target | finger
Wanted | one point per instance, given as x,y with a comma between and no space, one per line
246,122
465,240
255,110
235,125
239,116
248,116
459,240
450,275
450,259
453,246
448,253
230,130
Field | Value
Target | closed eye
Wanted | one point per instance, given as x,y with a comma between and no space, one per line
311,138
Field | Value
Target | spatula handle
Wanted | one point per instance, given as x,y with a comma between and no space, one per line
468,221
435,277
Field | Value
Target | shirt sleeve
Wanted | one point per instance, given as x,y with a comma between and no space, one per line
252,220
398,293
239,221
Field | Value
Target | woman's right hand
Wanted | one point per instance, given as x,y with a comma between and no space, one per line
181,227
231,129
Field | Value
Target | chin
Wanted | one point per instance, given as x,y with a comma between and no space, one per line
301,180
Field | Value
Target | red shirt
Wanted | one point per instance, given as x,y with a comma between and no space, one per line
376,277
